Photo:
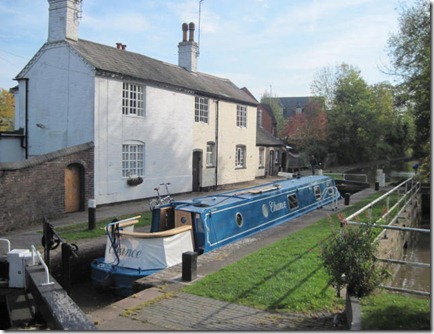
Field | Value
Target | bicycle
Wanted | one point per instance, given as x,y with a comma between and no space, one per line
160,200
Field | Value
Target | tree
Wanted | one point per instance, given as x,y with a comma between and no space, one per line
352,120
277,112
363,124
7,111
307,131
410,51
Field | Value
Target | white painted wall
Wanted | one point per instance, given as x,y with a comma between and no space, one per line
230,137
166,130
60,93
10,149
202,134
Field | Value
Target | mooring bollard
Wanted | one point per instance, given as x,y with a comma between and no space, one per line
347,198
189,266
92,214
68,251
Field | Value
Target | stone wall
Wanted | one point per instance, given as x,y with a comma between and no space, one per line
392,243
33,188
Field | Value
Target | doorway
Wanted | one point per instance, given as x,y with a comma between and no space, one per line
271,163
73,188
197,171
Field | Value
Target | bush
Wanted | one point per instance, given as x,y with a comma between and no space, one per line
349,259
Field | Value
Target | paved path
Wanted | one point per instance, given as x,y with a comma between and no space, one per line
182,311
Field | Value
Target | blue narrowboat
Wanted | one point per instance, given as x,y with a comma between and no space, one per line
205,224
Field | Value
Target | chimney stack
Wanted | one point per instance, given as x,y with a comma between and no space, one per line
63,20
188,50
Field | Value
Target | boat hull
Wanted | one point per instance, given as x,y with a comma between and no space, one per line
120,279
227,217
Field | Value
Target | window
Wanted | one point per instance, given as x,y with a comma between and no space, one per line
259,115
132,99
241,116
276,157
261,157
317,191
240,156
210,154
201,110
133,157
239,219
293,201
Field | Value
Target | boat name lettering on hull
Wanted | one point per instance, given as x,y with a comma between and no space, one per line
127,252
277,206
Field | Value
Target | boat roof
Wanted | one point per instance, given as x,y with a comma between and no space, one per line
217,201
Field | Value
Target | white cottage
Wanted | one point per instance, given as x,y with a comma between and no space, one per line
147,118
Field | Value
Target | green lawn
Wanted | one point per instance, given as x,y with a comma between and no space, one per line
391,311
286,276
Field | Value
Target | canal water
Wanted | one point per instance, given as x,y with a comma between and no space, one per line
412,277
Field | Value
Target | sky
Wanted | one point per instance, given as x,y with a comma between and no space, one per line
269,46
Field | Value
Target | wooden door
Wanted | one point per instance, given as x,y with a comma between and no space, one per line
72,188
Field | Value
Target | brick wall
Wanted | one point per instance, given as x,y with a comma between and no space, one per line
33,188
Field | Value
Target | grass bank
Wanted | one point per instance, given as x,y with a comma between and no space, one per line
391,311
288,276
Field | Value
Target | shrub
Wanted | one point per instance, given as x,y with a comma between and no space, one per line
349,259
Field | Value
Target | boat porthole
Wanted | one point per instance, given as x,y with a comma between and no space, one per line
265,210
183,220
239,219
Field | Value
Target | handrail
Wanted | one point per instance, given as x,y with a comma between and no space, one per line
368,206
41,261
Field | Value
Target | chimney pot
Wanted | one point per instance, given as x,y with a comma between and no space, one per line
184,32
121,46
191,28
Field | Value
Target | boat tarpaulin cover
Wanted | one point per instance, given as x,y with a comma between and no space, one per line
149,253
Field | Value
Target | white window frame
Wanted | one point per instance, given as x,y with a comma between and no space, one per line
133,159
261,162
259,116
240,156
201,110
133,100
210,154
241,116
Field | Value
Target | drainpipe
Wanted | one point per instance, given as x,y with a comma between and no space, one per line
216,141
26,111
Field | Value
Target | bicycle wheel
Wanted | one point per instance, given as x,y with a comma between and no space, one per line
153,204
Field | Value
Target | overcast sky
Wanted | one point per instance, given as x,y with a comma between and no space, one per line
264,45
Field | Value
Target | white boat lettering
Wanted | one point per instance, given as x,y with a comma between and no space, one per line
277,206
127,252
